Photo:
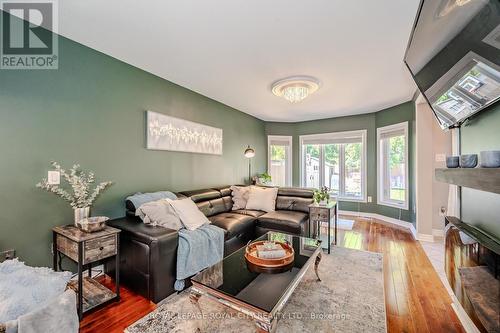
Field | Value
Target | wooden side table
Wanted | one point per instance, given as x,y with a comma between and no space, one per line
86,249
323,213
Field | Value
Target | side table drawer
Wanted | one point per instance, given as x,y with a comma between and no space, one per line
319,214
67,247
100,248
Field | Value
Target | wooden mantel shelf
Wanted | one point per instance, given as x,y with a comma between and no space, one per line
483,179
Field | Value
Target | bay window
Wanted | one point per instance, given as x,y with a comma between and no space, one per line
392,158
337,161
280,159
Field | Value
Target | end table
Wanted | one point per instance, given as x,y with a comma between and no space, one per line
86,249
323,214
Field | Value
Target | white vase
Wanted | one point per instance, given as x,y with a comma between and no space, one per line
80,214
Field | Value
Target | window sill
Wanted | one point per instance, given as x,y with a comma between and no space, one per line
403,206
348,199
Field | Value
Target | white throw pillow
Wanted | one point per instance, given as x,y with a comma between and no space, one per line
240,196
261,198
188,212
159,213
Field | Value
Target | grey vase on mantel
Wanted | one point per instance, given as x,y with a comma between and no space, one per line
80,214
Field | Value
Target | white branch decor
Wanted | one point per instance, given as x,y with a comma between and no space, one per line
80,183
170,133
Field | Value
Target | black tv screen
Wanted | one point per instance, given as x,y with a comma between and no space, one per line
454,57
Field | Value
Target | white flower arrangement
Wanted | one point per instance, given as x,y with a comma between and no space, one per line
80,183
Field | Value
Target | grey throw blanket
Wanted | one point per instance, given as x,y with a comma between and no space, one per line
141,198
198,249
58,315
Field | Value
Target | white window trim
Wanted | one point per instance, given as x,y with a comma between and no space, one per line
333,136
289,139
380,190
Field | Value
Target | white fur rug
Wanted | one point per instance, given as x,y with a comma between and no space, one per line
24,289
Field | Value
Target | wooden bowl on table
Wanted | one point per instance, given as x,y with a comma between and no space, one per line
271,266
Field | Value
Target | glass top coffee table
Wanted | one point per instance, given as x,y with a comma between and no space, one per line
260,296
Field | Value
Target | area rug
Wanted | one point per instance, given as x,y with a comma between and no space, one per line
345,224
350,298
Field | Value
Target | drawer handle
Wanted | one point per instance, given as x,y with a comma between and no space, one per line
101,248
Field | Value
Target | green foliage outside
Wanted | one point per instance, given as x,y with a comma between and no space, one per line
352,154
398,194
397,153
278,153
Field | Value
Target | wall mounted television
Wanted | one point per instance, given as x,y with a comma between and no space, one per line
454,57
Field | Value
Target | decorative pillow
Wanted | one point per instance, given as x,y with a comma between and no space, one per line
159,213
189,214
239,195
261,198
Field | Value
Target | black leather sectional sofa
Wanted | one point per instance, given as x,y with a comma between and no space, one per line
148,254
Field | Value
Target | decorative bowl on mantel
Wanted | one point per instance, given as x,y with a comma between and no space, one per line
93,224
468,161
490,159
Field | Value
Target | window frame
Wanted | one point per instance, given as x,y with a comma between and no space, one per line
335,137
381,200
289,169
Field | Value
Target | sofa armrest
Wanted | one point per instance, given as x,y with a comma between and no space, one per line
142,232
148,257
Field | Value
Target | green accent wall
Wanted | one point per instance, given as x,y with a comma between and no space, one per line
479,208
92,111
370,122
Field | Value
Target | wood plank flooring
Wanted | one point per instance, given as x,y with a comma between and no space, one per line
416,300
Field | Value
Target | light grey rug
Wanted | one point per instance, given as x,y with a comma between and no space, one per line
350,298
345,224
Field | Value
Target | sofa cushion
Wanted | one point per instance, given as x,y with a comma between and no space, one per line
216,206
262,198
239,195
234,224
283,220
300,204
202,195
249,212
159,213
189,214
224,190
296,192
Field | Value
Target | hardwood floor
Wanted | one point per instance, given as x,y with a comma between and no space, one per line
115,317
416,300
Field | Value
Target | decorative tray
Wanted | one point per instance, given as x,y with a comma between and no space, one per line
272,265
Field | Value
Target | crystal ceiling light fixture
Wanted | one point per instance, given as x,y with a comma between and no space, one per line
296,88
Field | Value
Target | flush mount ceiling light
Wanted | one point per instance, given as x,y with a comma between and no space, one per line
295,89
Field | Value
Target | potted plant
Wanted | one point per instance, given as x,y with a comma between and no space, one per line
265,179
321,196
82,196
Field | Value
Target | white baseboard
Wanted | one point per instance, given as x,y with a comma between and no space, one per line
464,318
438,232
400,223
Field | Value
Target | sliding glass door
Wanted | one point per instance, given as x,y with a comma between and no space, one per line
331,167
280,160
337,161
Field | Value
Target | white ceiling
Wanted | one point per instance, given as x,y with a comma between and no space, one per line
232,50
